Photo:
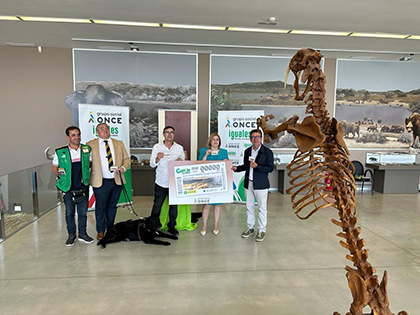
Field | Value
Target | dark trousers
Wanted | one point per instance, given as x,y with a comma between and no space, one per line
160,195
106,204
81,214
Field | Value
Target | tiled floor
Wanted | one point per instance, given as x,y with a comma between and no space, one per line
298,269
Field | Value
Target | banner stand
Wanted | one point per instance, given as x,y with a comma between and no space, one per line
234,128
118,120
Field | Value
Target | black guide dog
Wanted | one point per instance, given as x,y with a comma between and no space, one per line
143,229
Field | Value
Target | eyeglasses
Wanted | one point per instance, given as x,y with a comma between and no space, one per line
170,132
255,137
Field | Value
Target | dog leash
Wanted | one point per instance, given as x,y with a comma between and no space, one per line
126,197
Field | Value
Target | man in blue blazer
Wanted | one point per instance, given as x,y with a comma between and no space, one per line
258,162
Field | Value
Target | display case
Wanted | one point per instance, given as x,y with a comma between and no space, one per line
394,172
142,158
142,174
395,158
283,158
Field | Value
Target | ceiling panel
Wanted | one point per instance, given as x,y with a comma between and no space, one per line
353,16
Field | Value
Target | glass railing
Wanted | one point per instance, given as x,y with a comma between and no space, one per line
25,196
48,195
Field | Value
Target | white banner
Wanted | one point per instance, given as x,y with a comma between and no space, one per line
118,120
234,129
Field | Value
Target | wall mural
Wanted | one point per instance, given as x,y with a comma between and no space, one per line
373,100
253,83
146,82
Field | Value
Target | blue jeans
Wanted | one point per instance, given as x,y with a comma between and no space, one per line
81,213
160,196
106,204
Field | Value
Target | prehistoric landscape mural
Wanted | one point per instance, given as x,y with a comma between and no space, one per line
146,82
253,83
373,99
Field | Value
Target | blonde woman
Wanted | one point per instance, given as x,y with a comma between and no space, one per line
212,152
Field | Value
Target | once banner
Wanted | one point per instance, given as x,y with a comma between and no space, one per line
117,118
234,130
198,182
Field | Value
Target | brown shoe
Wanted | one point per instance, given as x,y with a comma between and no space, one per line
100,236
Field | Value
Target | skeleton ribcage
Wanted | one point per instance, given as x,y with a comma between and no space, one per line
321,179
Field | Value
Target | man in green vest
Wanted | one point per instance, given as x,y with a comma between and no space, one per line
71,166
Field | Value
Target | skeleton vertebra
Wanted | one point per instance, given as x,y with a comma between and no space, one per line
321,167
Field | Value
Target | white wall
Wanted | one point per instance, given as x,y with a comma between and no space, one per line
33,114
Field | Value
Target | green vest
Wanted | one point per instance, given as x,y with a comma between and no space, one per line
64,162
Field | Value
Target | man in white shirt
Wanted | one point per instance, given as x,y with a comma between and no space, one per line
162,153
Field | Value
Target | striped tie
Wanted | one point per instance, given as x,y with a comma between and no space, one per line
108,155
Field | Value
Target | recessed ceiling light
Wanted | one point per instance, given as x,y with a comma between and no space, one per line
126,23
259,30
197,27
378,35
58,20
328,33
8,18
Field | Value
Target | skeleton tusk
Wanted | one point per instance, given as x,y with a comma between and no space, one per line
287,75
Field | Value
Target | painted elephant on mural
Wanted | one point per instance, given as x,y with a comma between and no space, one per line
94,94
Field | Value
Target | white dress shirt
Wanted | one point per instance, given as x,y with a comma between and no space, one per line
74,154
162,171
254,154
106,173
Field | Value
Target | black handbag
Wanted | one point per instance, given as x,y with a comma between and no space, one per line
78,195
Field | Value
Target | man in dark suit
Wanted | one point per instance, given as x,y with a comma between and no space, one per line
109,161
258,162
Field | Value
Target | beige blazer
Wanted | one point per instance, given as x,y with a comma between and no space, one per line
120,158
